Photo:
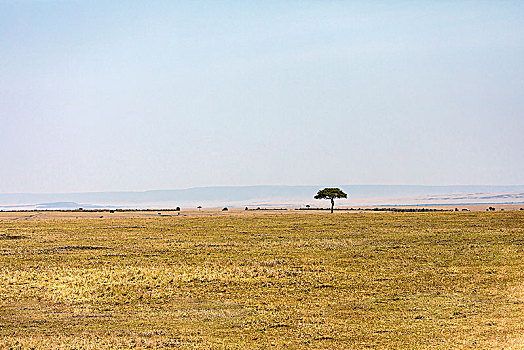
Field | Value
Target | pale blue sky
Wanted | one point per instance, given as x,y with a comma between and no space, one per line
123,95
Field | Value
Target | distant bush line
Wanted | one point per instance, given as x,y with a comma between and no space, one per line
258,208
87,210
401,210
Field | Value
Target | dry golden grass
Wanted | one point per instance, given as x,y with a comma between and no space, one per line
341,281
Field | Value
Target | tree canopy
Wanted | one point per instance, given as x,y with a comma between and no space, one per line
331,193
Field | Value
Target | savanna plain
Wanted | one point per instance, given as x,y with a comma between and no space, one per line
442,280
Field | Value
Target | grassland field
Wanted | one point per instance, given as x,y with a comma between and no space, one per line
295,280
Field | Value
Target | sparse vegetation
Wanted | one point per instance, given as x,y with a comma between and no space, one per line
297,280
392,209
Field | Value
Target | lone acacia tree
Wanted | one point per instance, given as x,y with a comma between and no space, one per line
331,193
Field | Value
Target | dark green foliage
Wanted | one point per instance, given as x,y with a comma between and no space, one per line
330,192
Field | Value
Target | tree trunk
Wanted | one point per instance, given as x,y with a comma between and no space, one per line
332,204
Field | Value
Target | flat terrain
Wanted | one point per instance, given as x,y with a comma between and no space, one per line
451,280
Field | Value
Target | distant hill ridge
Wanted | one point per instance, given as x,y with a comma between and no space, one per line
257,194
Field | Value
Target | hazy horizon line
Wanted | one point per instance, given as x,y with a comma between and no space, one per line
265,185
